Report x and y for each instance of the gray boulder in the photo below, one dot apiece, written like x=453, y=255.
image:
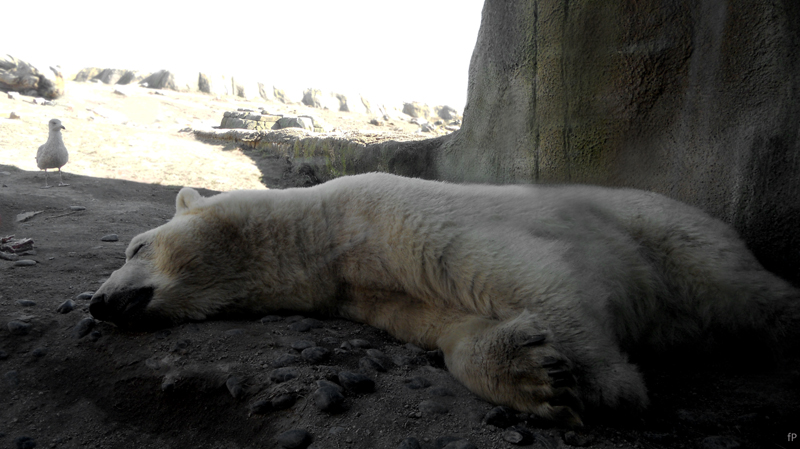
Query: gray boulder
x=445, y=112
x=415, y=109
x=166, y=79
x=20, y=76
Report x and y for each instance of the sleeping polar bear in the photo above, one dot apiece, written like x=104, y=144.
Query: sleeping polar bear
x=534, y=294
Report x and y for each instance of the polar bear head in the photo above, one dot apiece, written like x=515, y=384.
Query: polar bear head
x=190, y=268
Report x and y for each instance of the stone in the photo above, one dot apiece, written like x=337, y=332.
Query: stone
x=16, y=327
x=356, y=382
x=519, y=436
x=14, y=116
x=294, y=122
x=409, y=443
x=415, y=109
x=109, y=238
x=445, y=112
x=294, y=439
x=501, y=416
x=284, y=374
x=20, y=76
x=83, y=328
x=319, y=99
x=177, y=81
x=329, y=398
x=315, y=355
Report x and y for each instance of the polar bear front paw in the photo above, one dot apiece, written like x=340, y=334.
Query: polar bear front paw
x=513, y=363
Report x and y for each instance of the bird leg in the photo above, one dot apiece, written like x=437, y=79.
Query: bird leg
x=45, y=180
x=60, y=179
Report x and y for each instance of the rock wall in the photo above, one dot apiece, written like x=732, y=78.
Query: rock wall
x=696, y=100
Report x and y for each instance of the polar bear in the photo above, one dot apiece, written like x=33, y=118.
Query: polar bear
x=535, y=294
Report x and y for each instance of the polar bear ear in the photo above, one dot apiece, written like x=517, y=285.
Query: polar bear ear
x=186, y=200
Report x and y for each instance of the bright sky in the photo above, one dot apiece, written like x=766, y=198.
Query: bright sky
x=396, y=50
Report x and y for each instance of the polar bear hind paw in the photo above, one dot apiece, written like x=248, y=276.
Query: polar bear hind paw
x=513, y=363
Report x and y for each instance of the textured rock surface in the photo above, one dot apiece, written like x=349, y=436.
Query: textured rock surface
x=20, y=76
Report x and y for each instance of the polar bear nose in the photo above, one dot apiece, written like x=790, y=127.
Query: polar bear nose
x=99, y=307
x=121, y=307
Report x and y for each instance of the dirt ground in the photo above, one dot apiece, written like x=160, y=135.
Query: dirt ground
x=229, y=384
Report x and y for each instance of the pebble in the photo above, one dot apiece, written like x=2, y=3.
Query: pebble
x=12, y=377
x=283, y=401
x=66, y=306
x=234, y=384
x=315, y=355
x=16, y=327
x=285, y=360
x=294, y=439
x=299, y=345
x=85, y=295
x=13, y=115
x=578, y=440
x=417, y=383
x=432, y=407
x=281, y=375
x=520, y=436
x=24, y=443
x=371, y=364
x=359, y=343
x=414, y=348
x=410, y=443
x=501, y=416
x=328, y=397
x=94, y=335
x=356, y=382
x=26, y=303
x=234, y=332
x=260, y=407
x=299, y=327
x=39, y=352
x=24, y=263
x=109, y=238
x=83, y=327
x=270, y=319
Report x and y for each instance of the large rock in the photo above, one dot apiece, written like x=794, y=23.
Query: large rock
x=316, y=98
x=108, y=76
x=353, y=102
x=20, y=76
x=695, y=100
x=418, y=110
x=87, y=74
x=285, y=96
x=445, y=112
x=178, y=81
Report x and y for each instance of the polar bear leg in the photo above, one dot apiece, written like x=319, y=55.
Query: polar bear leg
x=514, y=362
x=519, y=362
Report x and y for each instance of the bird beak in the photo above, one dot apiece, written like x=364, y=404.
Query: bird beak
x=63, y=127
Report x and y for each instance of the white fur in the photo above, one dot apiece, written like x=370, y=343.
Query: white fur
x=516, y=284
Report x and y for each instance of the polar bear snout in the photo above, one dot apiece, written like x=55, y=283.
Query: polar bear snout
x=123, y=308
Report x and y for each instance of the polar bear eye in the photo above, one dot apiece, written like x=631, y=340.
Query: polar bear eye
x=136, y=250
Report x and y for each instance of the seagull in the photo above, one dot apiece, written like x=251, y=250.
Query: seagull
x=53, y=154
